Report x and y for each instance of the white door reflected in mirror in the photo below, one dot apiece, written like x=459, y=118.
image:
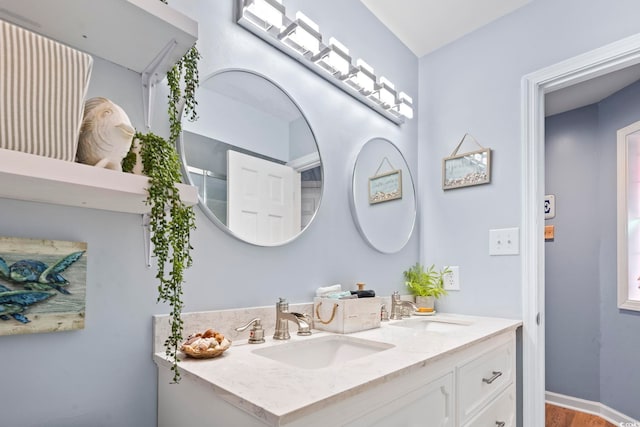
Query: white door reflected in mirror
x=263, y=199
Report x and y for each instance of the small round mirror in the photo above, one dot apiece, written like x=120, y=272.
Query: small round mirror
x=253, y=157
x=383, y=203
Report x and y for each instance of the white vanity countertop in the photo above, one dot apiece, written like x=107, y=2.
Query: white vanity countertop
x=279, y=393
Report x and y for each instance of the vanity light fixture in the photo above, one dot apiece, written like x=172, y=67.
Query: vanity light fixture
x=303, y=35
x=405, y=105
x=364, y=79
x=265, y=14
x=386, y=94
x=301, y=39
x=335, y=59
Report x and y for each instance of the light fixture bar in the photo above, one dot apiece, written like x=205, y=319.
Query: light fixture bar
x=301, y=39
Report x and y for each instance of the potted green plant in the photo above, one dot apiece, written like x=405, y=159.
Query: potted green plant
x=427, y=285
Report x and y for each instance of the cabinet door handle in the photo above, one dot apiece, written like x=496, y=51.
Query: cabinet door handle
x=500, y=423
x=495, y=376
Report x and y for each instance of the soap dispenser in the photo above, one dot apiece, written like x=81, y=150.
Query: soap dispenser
x=256, y=334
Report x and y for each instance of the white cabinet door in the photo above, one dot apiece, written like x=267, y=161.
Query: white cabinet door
x=431, y=405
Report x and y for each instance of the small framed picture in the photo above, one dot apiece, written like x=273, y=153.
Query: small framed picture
x=385, y=187
x=464, y=170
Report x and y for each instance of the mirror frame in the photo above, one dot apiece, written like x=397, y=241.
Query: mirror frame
x=352, y=199
x=202, y=204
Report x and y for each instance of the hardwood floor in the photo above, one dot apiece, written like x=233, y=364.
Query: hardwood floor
x=557, y=416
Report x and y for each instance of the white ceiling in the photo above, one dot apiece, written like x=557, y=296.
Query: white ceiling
x=426, y=25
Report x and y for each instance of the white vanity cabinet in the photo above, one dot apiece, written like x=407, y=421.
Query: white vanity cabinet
x=431, y=404
x=471, y=385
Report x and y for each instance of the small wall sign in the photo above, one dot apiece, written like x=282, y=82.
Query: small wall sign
x=467, y=169
x=385, y=187
x=549, y=206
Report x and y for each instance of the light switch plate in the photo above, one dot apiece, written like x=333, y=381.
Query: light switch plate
x=504, y=241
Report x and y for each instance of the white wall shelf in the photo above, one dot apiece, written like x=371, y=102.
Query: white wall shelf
x=145, y=36
x=41, y=179
x=130, y=33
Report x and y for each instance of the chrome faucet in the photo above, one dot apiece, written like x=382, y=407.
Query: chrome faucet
x=397, y=304
x=283, y=316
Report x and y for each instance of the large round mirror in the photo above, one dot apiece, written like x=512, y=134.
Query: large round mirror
x=253, y=157
x=383, y=202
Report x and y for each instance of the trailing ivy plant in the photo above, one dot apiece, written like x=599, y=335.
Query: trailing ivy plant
x=171, y=233
x=184, y=71
x=171, y=223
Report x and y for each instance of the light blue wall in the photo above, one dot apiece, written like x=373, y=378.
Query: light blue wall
x=573, y=170
x=104, y=374
x=590, y=342
x=473, y=85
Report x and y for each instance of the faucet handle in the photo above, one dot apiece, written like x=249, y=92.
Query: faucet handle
x=256, y=334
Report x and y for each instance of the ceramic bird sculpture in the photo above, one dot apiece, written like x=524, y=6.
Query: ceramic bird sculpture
x=14, y=303
x=36, y=275
x=105, y=135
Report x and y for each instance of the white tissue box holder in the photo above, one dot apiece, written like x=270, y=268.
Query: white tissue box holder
x=43, y=84
x=345, y=316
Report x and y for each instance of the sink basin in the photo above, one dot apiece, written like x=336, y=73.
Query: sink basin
x=322, y=352
x=433, y=324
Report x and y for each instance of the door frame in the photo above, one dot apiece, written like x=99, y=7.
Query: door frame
x=598, y=62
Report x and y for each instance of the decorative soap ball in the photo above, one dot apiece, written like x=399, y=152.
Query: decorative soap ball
x=105, y=135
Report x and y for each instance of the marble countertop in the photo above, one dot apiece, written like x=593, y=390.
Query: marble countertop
x=279, y=393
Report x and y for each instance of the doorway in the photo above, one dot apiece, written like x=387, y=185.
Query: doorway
x=535, y=86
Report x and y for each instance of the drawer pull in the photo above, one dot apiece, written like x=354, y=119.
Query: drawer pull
x=500, y=423
x=495, y=376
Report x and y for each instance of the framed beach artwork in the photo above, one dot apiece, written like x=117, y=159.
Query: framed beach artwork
x=42, y=285
x=385, y=187
x=466, y=169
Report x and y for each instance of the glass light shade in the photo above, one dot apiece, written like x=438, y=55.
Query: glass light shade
x=405, y=105
x=335, y=58
x=387, y=92
x=302, y=35
x=268, y=13
x=364, y=79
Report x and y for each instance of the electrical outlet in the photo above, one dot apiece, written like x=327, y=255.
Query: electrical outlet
x=504, y=241
x=452, y=279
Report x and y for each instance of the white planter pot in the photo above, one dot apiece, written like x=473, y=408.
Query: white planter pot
x=427, y=302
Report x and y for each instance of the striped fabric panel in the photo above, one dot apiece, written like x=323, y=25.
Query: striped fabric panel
x=42, y=89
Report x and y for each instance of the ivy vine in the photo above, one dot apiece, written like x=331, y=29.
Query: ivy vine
x=185, y=70
x=171, y=223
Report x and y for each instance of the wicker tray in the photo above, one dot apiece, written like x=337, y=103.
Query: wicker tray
x=207, y=354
